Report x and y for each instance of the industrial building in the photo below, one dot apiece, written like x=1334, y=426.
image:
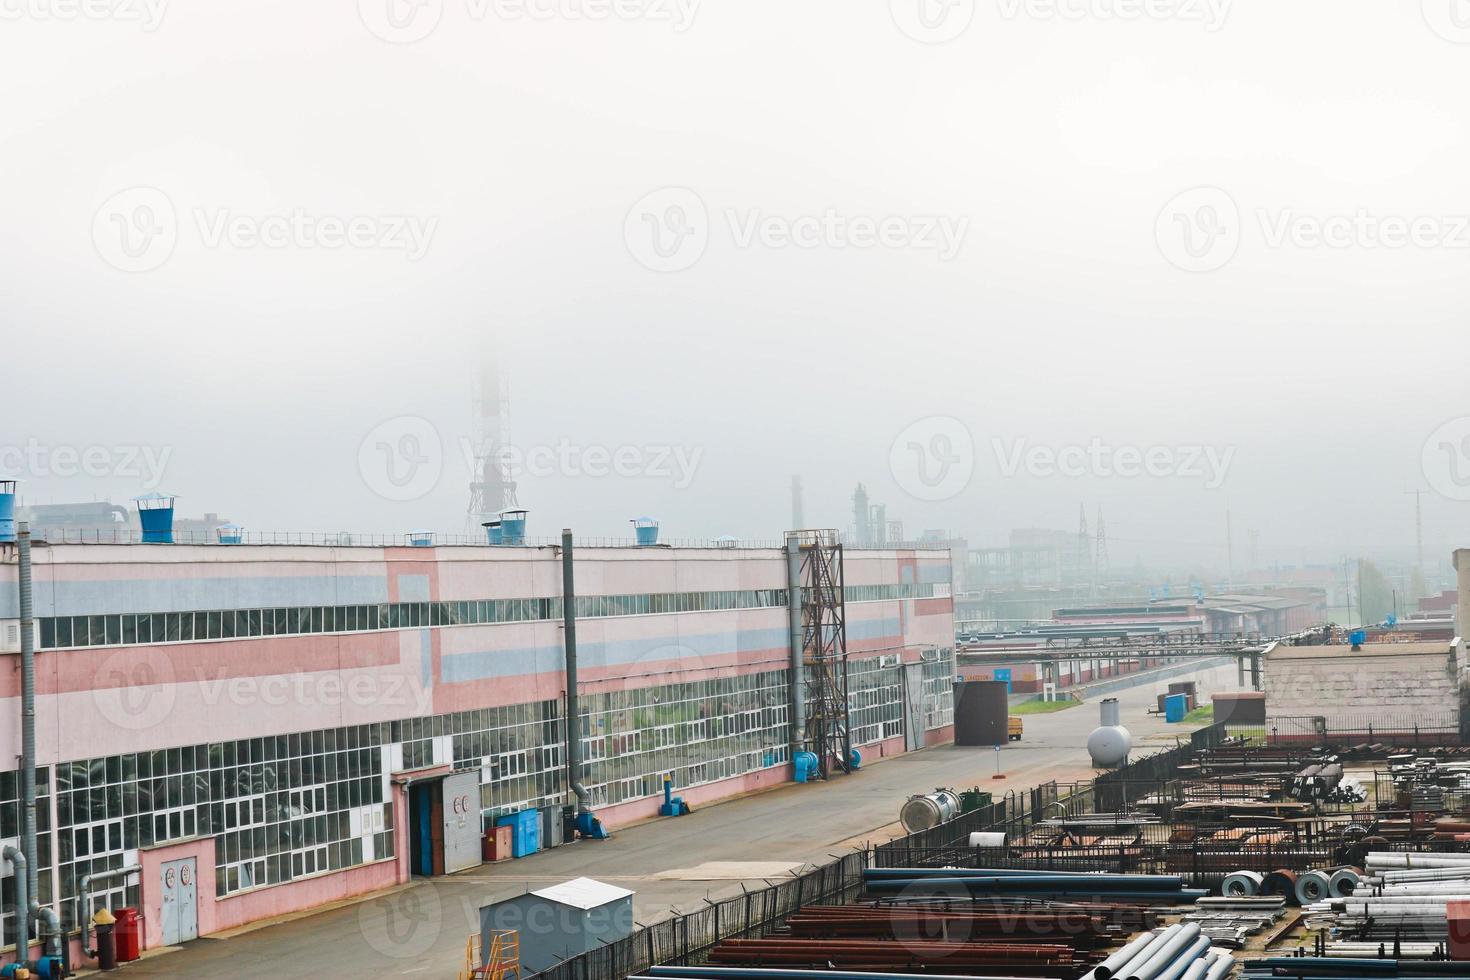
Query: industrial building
x=244, y=730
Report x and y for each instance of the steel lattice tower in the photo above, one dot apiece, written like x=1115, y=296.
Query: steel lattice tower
x=824, y=647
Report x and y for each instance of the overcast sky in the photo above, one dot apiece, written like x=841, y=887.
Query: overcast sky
x=918, y=244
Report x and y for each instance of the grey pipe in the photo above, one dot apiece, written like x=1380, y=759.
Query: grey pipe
x=1182, y=962
x=1221, y=967
x=46, y=914
x=798, y=663
x=22, y=903
x=1197, y=969
x=27, y=728
x=1155, y=940
x=1108, y=967
x=1166, y=954
x=84, y=910
x=569, y=644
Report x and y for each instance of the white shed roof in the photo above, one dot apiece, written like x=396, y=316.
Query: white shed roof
x=582, y=893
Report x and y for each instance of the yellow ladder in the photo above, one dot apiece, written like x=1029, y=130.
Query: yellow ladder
x=503, y=961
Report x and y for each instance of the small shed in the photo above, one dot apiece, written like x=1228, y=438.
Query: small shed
x=562, y=921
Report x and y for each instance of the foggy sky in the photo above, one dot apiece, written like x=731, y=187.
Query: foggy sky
x=524, y=142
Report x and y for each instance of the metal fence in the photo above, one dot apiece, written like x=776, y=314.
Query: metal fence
x=686, y=939
x=1425, y=728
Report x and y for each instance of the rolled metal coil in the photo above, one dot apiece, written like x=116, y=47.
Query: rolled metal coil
x=1241, y=884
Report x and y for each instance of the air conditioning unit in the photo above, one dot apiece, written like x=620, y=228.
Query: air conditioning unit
x=10, y=635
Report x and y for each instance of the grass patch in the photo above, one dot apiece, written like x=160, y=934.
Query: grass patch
x=1040, y=707
x=1203, y=715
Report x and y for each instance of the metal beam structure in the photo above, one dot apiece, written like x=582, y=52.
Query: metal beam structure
x=818, y=591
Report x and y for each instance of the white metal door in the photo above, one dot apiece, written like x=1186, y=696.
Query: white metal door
x=179, y=910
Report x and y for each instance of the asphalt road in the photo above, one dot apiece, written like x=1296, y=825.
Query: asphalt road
x=421, y=928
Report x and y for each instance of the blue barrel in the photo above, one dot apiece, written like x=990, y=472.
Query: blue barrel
x=1176, y=706
x=7, y=510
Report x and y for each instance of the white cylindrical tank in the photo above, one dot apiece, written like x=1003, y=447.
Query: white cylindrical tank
x=1109, y=745
x=929, y=810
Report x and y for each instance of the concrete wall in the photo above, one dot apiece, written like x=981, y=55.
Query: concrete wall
x=1381, y=687
x=1462, y=570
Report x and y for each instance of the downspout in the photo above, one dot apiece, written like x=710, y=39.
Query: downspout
x=84, y=910
x=569, y=644
x=27, y=731
x=798, y=664
x=22, y=903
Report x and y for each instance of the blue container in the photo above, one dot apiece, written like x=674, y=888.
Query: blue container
x=513, y=527
x=7, y=510
x=1176, y=706
x=525, y=834
x=230, y=533
x=646, y=531
x=421, y=539
x=156, y=515
x=806, y=766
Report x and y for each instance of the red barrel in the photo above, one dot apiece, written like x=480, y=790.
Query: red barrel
x=129, y=934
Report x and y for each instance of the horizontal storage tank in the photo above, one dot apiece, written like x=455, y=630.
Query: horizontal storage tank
x=929, y=810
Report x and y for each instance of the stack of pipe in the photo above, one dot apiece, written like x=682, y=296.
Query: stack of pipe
x=1404, y=895
x=875, y=954
x=776, y=973
x=1348, y=968
x=1081, y=928
x=1179, y=952
x=986, y=883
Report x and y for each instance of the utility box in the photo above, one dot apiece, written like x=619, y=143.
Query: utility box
x=497, y=844
x=525, y=831
x=551, y=835
x=562, y=921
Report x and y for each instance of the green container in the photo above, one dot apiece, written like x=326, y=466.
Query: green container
x=973, y=799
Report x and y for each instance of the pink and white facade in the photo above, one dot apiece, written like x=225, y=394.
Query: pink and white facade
x=262, y=714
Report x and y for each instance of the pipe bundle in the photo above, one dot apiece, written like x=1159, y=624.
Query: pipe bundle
x=990, y=883
x=863, y=954
x=759, y=973
x=1179, y=952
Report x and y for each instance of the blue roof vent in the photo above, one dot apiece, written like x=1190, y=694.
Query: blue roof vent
x=513, y=527
x=421, y=539
x=7, y=510
x=646, y=530
x=230, y=533
x=156, y=515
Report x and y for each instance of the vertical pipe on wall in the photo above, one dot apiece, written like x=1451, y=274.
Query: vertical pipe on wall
x=27, y=728
x=798, y=665
x=569, y=645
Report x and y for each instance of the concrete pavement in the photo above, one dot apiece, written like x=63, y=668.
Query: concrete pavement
x=421, y=928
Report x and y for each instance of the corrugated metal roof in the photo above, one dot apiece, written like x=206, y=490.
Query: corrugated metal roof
x=582, y=893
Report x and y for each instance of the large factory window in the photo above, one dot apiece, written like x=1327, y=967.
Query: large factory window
x=224, y=624
x=874, y=699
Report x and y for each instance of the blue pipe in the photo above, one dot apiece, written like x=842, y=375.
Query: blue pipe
x=768, y=973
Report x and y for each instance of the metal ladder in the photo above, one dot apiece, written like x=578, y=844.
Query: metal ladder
x=503, y=962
